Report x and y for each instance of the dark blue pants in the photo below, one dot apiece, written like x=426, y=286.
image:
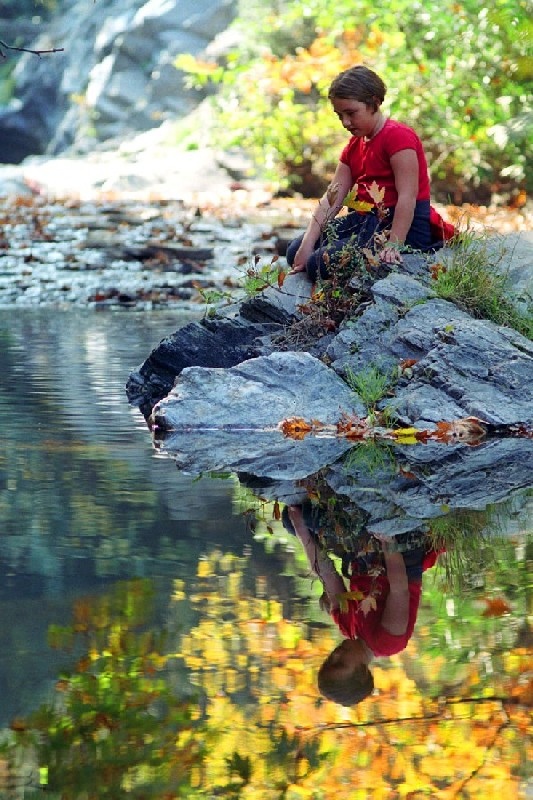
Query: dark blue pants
x=358, y=230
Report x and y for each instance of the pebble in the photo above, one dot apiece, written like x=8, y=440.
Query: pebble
x=130, y=253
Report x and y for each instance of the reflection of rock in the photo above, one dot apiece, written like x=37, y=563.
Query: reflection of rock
x=416, y=484
x=401, y=488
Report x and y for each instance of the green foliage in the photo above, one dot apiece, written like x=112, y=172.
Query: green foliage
x=115, y=727
x=472, y=278
x=371, y=384
x=259, y=277
x=461, y=75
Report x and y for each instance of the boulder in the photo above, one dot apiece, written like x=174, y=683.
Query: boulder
x=230, y=337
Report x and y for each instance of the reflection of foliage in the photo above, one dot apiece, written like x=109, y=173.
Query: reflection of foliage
x=416, y=736
x=468, y=538
x=114, y=727
x=261, y=731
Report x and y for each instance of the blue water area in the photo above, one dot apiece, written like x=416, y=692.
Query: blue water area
x=85, y=499
x=89, y=504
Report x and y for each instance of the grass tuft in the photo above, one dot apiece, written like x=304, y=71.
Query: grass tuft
x=472, y=278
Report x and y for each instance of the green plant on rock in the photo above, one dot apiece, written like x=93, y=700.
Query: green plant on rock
x=259, y=276
x=470, y=275
x=371, y=384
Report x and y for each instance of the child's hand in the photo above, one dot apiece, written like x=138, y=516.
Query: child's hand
x=390, y=255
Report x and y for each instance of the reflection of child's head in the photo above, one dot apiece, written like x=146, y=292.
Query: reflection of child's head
x=344, y=676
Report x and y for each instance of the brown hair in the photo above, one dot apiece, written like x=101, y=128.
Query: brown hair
x=359, y=83
x=347, y=692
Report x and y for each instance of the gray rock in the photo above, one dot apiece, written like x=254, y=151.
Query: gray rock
x=219, y=342
x=257, y=394
x=122, y=68
x=469, y=368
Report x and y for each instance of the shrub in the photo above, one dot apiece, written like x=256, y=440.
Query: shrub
x=459, y=76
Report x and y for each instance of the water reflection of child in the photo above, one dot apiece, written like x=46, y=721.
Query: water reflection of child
x=377, y=618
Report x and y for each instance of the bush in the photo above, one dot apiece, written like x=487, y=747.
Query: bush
x=458, y=75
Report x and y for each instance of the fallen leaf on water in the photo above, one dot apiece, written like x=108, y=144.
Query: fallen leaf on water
x=469, y=429
x=295, y=427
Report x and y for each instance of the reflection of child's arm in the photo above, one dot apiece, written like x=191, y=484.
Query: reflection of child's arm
x=396, y=612
x=319, y=562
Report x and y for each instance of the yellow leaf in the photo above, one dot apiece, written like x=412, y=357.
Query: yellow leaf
x=405, y=435
x=351, y=201
x=376, y=193
x=345, y=596
x=368, y=603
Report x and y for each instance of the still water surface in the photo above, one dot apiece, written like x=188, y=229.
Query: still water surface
x=88, y=505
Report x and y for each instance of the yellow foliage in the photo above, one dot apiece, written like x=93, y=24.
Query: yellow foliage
x=245, y=645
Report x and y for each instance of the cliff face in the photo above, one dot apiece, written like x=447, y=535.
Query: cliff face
x=115, y=76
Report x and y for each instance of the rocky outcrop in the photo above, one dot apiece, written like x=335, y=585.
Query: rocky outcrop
x=115, y=76
x=220, y=417
x=232, y=336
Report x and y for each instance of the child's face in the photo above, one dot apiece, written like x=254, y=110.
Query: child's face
x=355, y=116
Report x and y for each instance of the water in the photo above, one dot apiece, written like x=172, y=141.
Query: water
x=96, y=523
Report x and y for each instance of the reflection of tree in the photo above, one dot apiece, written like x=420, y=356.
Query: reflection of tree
x=114, y=727
x=260, y=730
x=256, y=670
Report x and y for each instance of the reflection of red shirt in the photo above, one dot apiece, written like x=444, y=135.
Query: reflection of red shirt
x=354, y=624
x=370, y=161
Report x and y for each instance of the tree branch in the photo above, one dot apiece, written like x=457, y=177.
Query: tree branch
x=26, y=50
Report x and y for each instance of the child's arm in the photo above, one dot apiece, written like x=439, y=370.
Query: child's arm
x=319, y=562
x=327, y=209
x=396, y=612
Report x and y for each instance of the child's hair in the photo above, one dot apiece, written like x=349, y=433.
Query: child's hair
x=347, y=692
x=359, y=83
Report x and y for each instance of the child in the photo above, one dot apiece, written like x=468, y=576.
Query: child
x=381, y=151
x=377, y=616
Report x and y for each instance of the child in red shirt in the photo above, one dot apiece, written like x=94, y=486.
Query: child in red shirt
x=384, y=167
x=378, y=614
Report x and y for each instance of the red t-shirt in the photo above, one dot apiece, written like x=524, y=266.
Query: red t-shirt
x=355, y=624
x=370, y=161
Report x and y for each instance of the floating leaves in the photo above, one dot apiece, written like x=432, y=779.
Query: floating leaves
x=469, y=430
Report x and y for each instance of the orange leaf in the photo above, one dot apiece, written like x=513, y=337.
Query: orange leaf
x=281, y=278
x=295, y=427
x=406, y=474
x=405, y=363
x=496, y=607
x=469, y=430
x=277, y=512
